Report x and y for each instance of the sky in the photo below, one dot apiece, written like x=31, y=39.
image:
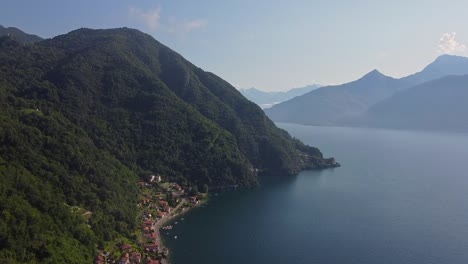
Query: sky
x=271, y=44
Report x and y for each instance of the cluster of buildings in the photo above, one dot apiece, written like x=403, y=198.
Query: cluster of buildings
x=129, y=256
x=155, y=204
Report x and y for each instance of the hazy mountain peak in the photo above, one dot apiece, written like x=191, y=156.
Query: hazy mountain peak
x=442, y=66
x=448, y=57
x=448, y=60
x=249, y=89
x=266, y=99
x=374, y=74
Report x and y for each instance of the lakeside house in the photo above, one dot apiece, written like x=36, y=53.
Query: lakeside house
x=135, y=257
x=151, y=178
x=163, y=203
x=126, y=247
x=154, y=178
x=162, y=214
x=194, y=199
x=125, y=259
x=152, y=247
x=99, y=259
x=177, y=187
x=146, y=201
x=151, y=236
x=151, y=261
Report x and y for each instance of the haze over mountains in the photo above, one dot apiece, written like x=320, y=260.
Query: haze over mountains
x=267, y=99
x=353, y=103
x=441, y=104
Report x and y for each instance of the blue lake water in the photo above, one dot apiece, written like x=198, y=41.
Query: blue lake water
x=399, y=197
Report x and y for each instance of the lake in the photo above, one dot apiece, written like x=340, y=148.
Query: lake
x=399, y=197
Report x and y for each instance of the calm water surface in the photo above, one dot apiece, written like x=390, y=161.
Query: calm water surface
x=400, y=197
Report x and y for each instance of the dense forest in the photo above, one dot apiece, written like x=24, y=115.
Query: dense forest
x=84, y=115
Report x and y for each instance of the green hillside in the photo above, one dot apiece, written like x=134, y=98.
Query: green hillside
x=84, y=115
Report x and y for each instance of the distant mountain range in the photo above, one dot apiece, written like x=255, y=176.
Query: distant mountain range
x=267, y=99
x=441, y=104
x=362, y=102
x=19, y=35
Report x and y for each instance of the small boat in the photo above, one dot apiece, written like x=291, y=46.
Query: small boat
x=182, y=219
x=175, y=237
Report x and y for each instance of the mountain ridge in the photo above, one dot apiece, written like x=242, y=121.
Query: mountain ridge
x=352, y=99
x=435, y=105
x=328, y=104
x=267, y=99
x=19, y=35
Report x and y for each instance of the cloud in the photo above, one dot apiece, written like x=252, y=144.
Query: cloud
x=151, y=18
x=154, y=21
x=448, y=44
x=192, y=25
x=180, y=29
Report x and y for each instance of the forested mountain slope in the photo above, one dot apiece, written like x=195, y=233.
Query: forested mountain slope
x=84, y=114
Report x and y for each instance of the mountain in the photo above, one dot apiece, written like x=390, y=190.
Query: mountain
x=268, y=99
x=337, y=105
x=327, y=105
x=436, y=105
x=84, y=115
x=444, y=65
x=19, y=35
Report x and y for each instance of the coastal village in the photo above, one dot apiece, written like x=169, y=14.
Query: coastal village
x=160, y=202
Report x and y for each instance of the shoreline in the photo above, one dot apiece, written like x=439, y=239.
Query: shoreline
x=159, y=224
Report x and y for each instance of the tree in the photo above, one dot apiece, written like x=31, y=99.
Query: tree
x=194, y=190
x=205, y=188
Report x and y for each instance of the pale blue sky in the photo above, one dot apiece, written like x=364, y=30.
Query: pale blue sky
x=272, y=45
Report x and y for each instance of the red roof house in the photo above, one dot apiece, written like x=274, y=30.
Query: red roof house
x=125, y=247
